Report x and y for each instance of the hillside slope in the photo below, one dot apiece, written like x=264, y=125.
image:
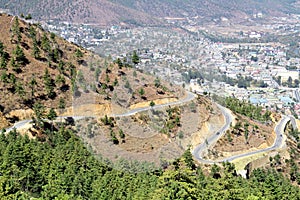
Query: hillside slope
x=163, y=8
x=99, y=12
x=38, y=66
x=104, y=12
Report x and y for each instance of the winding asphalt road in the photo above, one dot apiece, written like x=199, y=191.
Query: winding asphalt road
x=198, y=151
x=279, y=130
x=21, y=124
x=293, y=121
x=17, y=125
x=189, y=97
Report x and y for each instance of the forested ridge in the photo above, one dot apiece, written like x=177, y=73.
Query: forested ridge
x=63, y=168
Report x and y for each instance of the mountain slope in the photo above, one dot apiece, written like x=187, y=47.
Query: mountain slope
x=35, y=66
x=38, y=66
x=104, y=12
x=209, y=8
x=100, y=12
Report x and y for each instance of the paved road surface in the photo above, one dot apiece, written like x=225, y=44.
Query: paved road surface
x=201, y=147
x=21, y=124
x=18, y=125
x=279, y=130
x=190, y=96
x=293, y=121
x=214, y=138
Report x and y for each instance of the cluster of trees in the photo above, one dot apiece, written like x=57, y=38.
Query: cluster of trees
x=294, y=133
x=4, y=57
x=47, y=46
x=109, y=121
x=241, y=82
x=193, y=74
x=44, y=48
x=109, y=85
x=247, y=109
x=18, y=58
x=27, y=17
x=293, y=168
x=10, y=66
x=173, y=120
x=290, y=83
x=40, y=117
x=127, y=62
x=244, y=127
x=62, y=168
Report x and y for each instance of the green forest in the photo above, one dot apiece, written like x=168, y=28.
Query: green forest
x=61, y=167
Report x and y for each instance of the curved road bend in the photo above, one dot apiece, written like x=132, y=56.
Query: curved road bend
x=293, y=121
x=214, y=138
x=190, y=96
x=279, y=130
x=20, y=124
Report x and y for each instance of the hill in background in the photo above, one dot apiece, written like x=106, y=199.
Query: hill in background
x=98, y=12
x=104, y=12
x=209, y=8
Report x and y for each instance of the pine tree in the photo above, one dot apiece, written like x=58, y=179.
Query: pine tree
x=48, y=82
x=45, y=43
x=4, y=77
x=121, y=134
x=39, y=114
x=15, y=66
x=51, y=114
x=19, y=89
x=119, y=63
x=61, y=68
x=16, y=30
x=188, y=159
x=1, y=48
x=12, y=79
x=157, y=82
x=3, y=63
x=215, y=171
x=152, y=104
x=32, y=32
x=61, y=105
x=19, y=55
x=35, y=50
x=135, y=58
x=32, y=85
x=60, y=80
x=141, y=91
x=78, y=53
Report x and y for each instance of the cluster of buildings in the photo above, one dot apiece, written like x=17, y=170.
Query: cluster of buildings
x=86, y=35
x=171, y=54
x=266, y=64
